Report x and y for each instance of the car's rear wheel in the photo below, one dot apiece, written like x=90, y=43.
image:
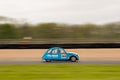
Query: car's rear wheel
x=73, y=59
x=48, y=60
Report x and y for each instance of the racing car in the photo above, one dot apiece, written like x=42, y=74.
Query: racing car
x=59, y=54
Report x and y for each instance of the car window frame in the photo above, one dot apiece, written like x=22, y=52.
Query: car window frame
x=62, y=50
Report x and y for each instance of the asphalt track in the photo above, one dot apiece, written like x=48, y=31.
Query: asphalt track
x=59, y=62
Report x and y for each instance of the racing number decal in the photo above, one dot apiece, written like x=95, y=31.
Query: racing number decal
x=63, y=55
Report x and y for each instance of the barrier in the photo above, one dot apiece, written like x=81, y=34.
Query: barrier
x=45, y=46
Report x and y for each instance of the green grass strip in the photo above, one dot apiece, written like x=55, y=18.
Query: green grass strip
x=60, y=72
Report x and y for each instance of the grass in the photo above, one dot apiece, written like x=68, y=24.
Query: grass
x=60, y=72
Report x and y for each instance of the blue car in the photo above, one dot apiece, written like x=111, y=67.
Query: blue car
x=59, y=54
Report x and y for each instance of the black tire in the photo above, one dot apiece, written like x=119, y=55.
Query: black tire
x=73, y=59
x=48, y=60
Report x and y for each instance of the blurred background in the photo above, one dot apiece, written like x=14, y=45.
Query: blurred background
x=59, y=21
x=13, y=32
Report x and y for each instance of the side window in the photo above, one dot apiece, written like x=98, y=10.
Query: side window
x=54, y=51
x=62, y=51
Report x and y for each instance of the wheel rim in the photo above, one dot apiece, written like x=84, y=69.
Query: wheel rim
x=73, y=59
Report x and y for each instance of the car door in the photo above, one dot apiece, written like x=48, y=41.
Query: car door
x=55, y=55
x=63, y=54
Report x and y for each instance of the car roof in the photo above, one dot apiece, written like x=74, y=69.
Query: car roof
x=55, y=48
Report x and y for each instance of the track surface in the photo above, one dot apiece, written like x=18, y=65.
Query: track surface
x=32, y=56
x=61, y=62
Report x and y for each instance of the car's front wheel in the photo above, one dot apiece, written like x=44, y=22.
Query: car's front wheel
x=73, y=59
